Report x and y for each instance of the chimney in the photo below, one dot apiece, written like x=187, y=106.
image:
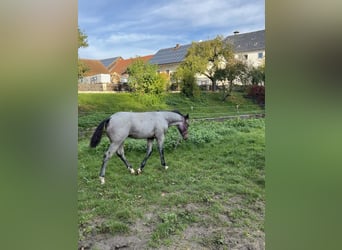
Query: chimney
x=236, y=32
x=177, y=46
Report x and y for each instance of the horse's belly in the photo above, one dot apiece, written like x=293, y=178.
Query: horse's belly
x=139, y=134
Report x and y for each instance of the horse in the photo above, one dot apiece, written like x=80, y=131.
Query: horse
x=137, y=125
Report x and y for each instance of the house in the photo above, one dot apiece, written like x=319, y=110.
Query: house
x=249, y=47
x=168, y=59
x=109, y=63
x=97, y=72
x=119, y=70
x=106, y=74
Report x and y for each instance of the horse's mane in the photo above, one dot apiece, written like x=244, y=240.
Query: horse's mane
x=174, y=111
x=177, y=112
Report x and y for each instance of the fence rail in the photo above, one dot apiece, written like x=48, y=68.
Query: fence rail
x=222, y=118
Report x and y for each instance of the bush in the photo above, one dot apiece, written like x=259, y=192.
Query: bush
x=189, y=86
x=257, y=93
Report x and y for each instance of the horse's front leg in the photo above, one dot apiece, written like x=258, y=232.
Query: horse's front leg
x=121, y=153
x=148, y=154
x=160, y=141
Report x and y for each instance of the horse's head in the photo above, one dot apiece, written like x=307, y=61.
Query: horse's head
x=183, y=127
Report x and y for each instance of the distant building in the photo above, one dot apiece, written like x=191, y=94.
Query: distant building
x=119, y=70
x=249, y=47
x=169, y=59
x=99, y=78
x=97, y=72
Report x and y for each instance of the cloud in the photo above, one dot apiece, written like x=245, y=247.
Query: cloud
x=89, y=20
x=214, y=13
x=136, y=27
x=125, y=45
x=137, y=37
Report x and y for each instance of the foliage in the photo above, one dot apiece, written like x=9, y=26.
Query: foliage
x=82, y=43
x=233, y=70
x=205, y=58
x=82, y=68
x=188, y=83
x=82, y=39
x=257, y=93
x=257, y=75
x=147, y=85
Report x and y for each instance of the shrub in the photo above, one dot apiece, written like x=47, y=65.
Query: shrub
x=189, y=86
x=257, y=93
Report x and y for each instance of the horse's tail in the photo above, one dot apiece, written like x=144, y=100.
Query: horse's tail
x=96, y=137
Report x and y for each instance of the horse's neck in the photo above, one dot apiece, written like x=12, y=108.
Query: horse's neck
x=173, y=118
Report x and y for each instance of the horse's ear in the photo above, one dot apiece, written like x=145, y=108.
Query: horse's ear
x=186, y=116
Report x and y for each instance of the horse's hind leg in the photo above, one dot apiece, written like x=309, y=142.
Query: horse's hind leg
x=121, y=153
x=148, y=154
x=111, y=149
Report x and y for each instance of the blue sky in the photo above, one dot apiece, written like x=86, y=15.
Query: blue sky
x=133, y=28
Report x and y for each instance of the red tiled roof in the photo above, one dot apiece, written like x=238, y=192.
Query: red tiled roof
x=95, y=67
x=121, y=65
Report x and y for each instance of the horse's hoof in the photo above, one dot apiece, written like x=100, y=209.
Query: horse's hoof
x=102, y=180
x=132, y=171
x=139, y=171
x=166, y=167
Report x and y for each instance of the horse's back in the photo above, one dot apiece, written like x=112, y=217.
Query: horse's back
x=138, y=116
x=136, y=124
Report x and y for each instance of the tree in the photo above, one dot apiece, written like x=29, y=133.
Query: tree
x=234, y=70
x=82, y=39
x=185, y=78
x=257, y=75
x=206, y=58
x=82, y=43
x=145, y=82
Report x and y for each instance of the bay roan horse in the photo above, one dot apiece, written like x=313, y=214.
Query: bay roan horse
x=138, y=125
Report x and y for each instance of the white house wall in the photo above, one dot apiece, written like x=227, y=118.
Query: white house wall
x=100, y=78
x=254, y=58
x=168, y=68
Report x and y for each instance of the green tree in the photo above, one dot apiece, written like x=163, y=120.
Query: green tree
x=257, y=75
x=233, y=70
x=82, y=43
x=82, y=39
x=206, y=58
x=185, y=78
x=145, y=82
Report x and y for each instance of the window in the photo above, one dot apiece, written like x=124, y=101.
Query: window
x=246, y=57
x=260, y=55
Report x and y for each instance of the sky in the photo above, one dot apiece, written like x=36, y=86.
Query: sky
x=131, y=28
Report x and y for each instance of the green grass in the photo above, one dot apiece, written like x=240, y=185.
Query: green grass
x=219, y=172
x=95, y=107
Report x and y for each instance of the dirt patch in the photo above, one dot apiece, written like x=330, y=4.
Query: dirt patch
x=199, y=237
x=193, y=237
x=224, y=231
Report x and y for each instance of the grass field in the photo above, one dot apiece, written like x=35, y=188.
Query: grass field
x=211, y=197
x=95, y=107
